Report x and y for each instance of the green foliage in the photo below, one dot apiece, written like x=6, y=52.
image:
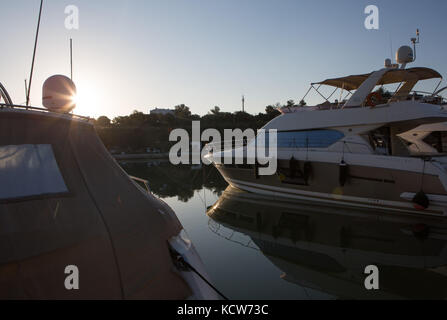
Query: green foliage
x=385, y=93
x=215, y=110
x=138, y=130
x=103, y=121
x=182, y=111
x=272, y=111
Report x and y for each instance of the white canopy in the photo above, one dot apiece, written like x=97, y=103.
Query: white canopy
x=392, y=76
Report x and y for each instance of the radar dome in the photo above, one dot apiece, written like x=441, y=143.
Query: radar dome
x=58, y=94
x=404, y=55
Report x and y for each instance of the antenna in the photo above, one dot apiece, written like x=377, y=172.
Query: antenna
x=415, y=41
x=391, y=47
x=26, y=89
x=243, y=103
x=407, y=55
x=34, y=55
x=71, y=59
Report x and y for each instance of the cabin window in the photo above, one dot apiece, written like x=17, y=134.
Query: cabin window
x=307, y=139
x=380, y=140
x=29, y=170
x=437, y=140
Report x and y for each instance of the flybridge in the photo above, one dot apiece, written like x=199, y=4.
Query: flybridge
x=357, y=90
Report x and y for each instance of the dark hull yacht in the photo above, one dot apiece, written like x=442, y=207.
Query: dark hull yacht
x=65, y=204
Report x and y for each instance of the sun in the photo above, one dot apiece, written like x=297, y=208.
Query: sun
x=86, y=99
x=74, y=98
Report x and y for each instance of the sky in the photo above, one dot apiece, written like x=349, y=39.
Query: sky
x=141, y=54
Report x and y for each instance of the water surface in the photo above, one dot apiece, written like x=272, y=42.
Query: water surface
x=258, y=247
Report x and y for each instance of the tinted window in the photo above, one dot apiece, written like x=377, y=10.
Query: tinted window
x=304, y=139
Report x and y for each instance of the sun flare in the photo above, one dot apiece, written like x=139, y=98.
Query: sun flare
x=86, y=99
x=74, y=98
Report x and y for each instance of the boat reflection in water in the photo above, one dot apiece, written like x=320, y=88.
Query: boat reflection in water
x=328, y=248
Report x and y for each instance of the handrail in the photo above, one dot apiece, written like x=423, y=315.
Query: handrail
x=295, y=146
x=437, y=93
x=16, y=106
x=429, y=94
x=424, y=95
x=4, y=93
x=216, y=230
x=143, y=181
x=229, y=144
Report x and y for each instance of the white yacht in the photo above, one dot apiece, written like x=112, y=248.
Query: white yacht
x=370, y=148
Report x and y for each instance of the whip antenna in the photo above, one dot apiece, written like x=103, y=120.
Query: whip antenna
x=71, y=59
x=34, y=55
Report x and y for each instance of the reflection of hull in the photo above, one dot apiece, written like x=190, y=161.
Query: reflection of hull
x=341, y=287
x=367, y=186
x=328, y=248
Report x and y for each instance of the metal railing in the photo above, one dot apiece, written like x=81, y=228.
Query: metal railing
x=9, y=104
x=218, y=229
x=227, y=144
x=429, y=97
x=43, y=110
x=299, y=144
x=5, y=95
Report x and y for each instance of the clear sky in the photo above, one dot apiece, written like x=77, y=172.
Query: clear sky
x=141, y=54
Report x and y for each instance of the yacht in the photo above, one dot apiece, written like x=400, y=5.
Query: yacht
x=69, y=212
x=369, y=148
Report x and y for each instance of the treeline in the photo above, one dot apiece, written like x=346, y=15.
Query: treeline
x=182, y=181
x=137, y=131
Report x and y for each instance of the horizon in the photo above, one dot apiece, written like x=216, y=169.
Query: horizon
x=143, y=55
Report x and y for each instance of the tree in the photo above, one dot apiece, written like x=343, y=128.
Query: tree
x=215, y=110
x=385, y=93
x=290, y=103
x=182, y=111
x=103, y=121
x=137, y=119
x=243, y=118
x=271, y=111
x=302, y=103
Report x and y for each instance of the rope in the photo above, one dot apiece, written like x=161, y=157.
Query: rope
x=186, y=264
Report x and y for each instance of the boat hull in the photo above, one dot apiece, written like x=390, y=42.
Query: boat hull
x=365, y=186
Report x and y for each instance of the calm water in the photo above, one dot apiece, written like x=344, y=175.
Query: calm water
x=257, y=247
